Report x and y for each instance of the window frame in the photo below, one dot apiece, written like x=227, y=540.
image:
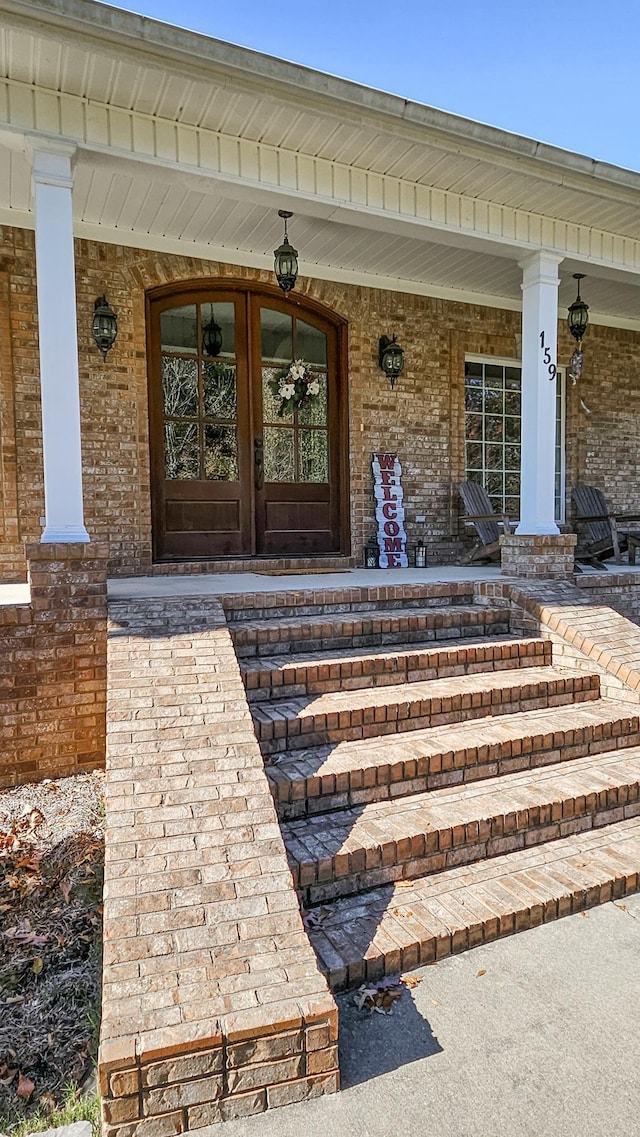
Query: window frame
x=503, y=361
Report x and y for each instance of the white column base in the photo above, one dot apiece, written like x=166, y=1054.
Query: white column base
x=65, y=535
x=524, y=530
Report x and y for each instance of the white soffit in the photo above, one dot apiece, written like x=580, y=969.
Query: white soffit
x=124, y=203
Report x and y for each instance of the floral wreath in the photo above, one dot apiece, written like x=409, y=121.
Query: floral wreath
x=296, y=386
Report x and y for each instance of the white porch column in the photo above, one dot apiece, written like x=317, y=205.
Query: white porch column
x=58, y=340
x=539, y=347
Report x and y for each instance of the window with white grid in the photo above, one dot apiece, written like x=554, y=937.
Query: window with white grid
x=492, y=391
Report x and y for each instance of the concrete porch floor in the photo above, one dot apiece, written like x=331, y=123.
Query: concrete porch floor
x=216, y=584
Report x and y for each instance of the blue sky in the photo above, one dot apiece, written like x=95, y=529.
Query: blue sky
x=562, y=72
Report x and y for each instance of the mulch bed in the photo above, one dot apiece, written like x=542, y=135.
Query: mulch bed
x=51, y=873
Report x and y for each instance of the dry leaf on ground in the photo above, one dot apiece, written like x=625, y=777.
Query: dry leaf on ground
x=379, y=996
x=25, y=1087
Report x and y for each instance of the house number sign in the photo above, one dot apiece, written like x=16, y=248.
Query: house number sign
x=387, y=488
x=551, y=367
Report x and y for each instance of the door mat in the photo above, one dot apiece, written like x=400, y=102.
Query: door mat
x=300, y=572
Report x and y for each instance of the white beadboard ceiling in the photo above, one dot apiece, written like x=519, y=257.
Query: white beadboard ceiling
x=131, y=200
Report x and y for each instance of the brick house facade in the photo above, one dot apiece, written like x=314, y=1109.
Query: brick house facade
x=408, y=222
x=422, y=418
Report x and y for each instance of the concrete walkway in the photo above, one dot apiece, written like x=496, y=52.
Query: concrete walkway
x=545, y=1043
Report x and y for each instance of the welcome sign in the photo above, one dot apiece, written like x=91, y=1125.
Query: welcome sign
x=387, y=488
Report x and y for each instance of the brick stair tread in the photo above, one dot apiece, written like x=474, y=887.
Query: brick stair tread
x=376, y=619
x=328, y=658
x=398, y=927
x=300, y=673
x=449, y=817
x=496, y=740
x=466, y=686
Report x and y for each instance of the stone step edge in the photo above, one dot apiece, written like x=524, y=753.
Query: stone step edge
x=269, y=678
x=417, y=926
x=474, y=613
x=285, y=728
x=406, y=850
x=242, y=606
x=298, y=795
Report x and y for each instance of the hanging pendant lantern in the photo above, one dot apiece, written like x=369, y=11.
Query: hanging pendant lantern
x=578, y=317
x=211, y=337
x=105, y=325
x=286, y=258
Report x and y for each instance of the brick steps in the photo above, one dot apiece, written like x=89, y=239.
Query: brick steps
x=396, y=928
x=298, y=723
x=371, y=627
x=353, y=850
x=241, y=606
x=320, y=673
x=356, y=773
x=439, y=782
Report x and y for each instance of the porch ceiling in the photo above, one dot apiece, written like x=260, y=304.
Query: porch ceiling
x=134, y=204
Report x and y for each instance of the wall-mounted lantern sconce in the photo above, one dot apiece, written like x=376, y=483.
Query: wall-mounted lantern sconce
x=577, y=320
x=105, y=325
x=390, y=358
x=211, y=337
x=285, y=264
x=371, y=554
x=420, y=554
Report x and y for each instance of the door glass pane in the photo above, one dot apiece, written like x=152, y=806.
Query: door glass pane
x=279, y=458
x=315, y=412
x=276, y=331
x=181, y=450
x=220, y=453
x=270, y=401
x=311, y=344
x=223, y=313
x=313, y=457
x=180, y=387
x=179, y=330
x=219, y=390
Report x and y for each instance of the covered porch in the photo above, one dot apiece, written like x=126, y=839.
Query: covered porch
x=459, y=239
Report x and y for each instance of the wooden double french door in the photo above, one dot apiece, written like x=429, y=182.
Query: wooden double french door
x=230, y=475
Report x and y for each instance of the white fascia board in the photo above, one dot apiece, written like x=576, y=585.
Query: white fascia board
x=246, y=259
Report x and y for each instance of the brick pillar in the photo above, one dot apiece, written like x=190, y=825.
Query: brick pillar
x=66, y=727
x=543, y=555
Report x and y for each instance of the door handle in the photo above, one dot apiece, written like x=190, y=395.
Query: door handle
x=258, y=460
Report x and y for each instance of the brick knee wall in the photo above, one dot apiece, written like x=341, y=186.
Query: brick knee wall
x=585, y=636
x=213, y=1004
x=53, y=666
x=618, y=590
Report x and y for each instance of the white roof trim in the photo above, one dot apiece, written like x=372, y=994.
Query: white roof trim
x=177, y=46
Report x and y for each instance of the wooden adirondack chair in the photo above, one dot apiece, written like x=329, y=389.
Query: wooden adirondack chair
x=480, y=513
x=603, y=534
